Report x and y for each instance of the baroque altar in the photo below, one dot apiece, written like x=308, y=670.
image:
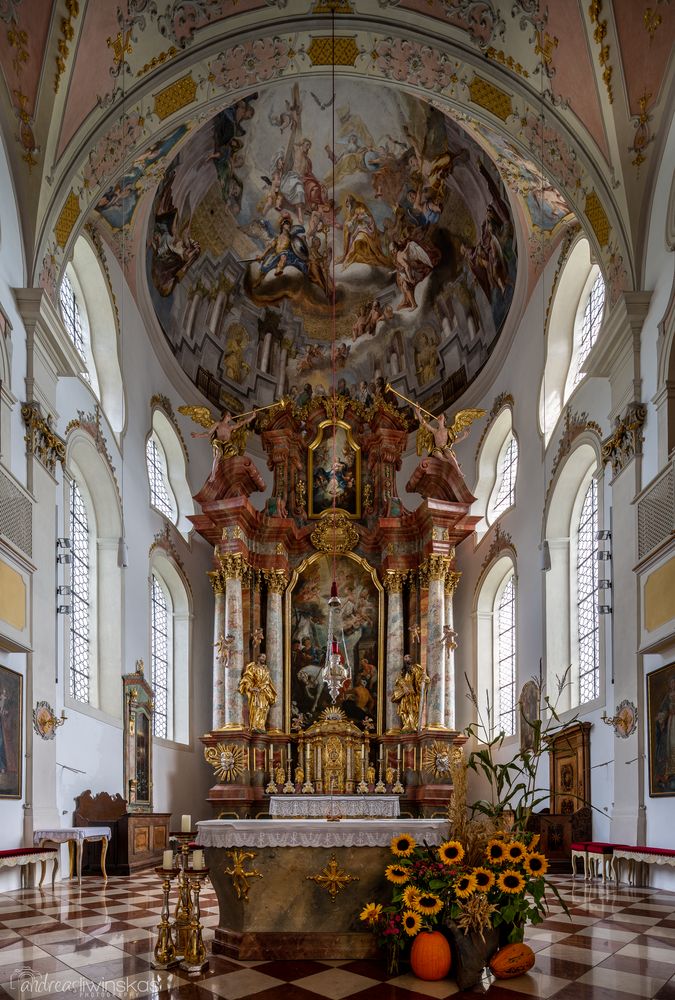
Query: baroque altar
x=334, y=517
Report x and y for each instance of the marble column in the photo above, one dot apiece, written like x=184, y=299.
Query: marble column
x=436, y=567
x=216, y=309
x=281, y=381
x=267, y=347
x=393, y=584
x=451, y=581
x=192, y=313
x=233, y=568
x=277, y=582
x=219, y=668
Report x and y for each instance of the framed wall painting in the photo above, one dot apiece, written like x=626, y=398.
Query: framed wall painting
x=661, y=730
x=11, y=733
x=334, y=471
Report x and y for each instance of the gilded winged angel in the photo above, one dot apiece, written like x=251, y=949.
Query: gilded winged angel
x=439, y=440
x=228, y=437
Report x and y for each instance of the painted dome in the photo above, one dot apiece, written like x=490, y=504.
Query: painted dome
x=290, y=213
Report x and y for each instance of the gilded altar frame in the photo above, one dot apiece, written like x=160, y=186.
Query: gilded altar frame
x=331, y=488
x=344, y=563
x=138, y=702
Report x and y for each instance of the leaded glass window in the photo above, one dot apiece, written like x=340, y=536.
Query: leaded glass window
x=161, y=646
x=590, y=324
x=72, y=317
x=505, y=643
x=160, y=498
x=79, y=596
x=506, y=478
x=588, y=633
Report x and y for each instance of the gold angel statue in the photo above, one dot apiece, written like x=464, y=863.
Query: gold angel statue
x=228, y=437
x=438, y=440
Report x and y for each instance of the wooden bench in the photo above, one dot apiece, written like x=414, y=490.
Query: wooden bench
x=29, y=856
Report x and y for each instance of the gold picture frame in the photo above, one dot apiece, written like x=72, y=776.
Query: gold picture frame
x=660, y=725
x=306, y=610
x=334, y=471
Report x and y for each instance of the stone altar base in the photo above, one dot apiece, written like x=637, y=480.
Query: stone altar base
x=272, y=879
x=288, y=916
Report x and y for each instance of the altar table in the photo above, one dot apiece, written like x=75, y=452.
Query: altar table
x=75, y=836
x=294, y=888
x=322, y=806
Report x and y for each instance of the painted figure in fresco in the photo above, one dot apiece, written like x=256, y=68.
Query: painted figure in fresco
x=414, y=262
x=361, y=237
x=409, y=691
x=256, y=685
x=426, y=359
x=288, y=249
x=173, y=249
x=225, y=439
x=318, y=266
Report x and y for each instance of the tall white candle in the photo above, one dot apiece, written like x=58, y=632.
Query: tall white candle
x=271, y=756
x=197, y=860
x=167, y=859
x=185, y=823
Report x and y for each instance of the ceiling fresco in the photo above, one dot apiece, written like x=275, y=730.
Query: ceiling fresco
x=263, y=207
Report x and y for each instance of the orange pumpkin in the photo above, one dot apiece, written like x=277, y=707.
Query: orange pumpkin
x=430, y=956
x=512, y=960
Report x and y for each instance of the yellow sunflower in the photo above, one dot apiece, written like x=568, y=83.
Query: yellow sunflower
x=371, y=912
x=429, y=904
x=411, y=922
x=397, y=874
x=536, y=864
x=451, y=852
x=484, y=879
x=515, y=851
x=532, y=846
x=511, y=881
x=495, y=851
x=402, y=845
x=465, y=886
x=411, y=897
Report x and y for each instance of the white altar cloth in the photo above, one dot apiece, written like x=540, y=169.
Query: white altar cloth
x=320, y=806
x=317, y=832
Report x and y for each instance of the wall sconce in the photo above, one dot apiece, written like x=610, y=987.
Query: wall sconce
x=625, y=721
x=45, y=722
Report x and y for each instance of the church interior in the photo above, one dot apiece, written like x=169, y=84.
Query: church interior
x=337, y=496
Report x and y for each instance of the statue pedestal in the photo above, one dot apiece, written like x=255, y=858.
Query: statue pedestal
x=234, y=477
x=440, y=479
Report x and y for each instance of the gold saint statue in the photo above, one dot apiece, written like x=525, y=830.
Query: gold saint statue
x=408, y=693
x=256, y=684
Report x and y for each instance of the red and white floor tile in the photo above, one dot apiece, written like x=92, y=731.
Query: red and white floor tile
x=96, y=940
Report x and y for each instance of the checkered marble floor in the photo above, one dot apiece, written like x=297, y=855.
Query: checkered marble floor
x=96, y=941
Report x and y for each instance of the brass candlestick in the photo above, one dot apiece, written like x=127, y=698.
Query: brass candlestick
x=165, y=953
x=195, y=960
x=183, y=912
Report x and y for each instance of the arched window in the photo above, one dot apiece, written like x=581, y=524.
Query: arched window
x=573, y=325
x=497, y=467
x=170, y=644
x=94, y=514
x=587, y=330
x=167, y=472
x=80, y=569
x=505, y=659
x=588, y=633
x=161, y=495
x=496, y=645
x=72, y=317
x=573, y=636
x=504, y=493
x=162, y=646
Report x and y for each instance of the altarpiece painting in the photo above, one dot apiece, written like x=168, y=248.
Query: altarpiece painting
x=661, y=726
x=11, y=733
x=334, y=470
x=362, y=616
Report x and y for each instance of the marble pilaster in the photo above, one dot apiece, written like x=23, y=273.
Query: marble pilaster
x=393, y=584
x=233, y=568
x=451, y=581
x=436, y=567
x=276, y=584
x=218, y=662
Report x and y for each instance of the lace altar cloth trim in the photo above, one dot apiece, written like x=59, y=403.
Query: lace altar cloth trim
x=310, y=806
x=317, y=832
x=64, y=834
x=27, y=859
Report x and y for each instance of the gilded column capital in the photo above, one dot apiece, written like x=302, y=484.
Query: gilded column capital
x=452, y=578
x=434, y=567
x=233, y=565
x=276, y=580
x=626, y=440
x=217, y=581
x=393, y=581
